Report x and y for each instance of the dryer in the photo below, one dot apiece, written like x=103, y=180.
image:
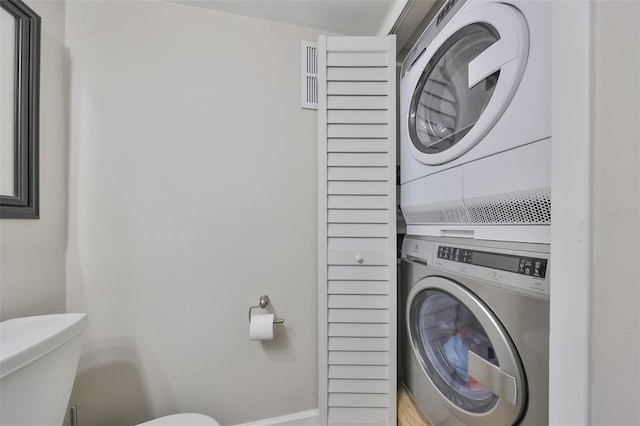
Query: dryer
x=474, y=327
x=475, y=123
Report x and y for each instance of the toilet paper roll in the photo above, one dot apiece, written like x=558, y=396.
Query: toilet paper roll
x=261, y=327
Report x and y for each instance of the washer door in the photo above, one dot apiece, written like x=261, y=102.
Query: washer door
x=465, y=352
x=471, y=71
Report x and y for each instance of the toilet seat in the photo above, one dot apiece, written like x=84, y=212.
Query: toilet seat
x=183, y=419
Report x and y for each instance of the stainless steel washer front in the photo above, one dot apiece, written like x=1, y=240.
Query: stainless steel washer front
x=475, y=350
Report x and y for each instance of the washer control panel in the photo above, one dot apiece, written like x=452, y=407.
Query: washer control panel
x=532, y=266
x=518, y=270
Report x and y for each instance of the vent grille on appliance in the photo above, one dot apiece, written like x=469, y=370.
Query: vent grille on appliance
x=309, y=75
x=520, y=208
x=443, y=213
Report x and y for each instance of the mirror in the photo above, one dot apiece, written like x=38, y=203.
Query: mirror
x=19, y=109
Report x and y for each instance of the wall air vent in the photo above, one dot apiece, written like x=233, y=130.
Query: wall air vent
x=309, y=75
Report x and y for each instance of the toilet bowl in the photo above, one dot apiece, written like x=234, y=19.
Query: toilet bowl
x=49, y=346
x=183, y=419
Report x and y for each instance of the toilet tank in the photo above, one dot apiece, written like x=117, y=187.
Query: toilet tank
x=38, y=361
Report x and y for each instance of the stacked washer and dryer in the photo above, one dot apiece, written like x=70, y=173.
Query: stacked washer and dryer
x=475, y=131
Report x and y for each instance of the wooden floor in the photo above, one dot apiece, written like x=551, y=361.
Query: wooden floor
x=408, y=413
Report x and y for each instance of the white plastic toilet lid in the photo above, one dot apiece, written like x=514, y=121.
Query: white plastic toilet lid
x=183, y=419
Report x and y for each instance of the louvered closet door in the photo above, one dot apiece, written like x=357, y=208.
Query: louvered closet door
x=357, y=229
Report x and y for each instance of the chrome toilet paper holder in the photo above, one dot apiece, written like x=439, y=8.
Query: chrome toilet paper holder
x=263, y=302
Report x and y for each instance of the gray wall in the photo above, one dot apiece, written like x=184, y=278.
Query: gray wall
x=192, y=193
x=615, y=306
x=32, y=252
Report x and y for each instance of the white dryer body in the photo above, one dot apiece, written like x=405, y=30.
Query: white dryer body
x=475, y=123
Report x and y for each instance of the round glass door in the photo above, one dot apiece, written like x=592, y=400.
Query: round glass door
x=444, y=108
x=443, y=330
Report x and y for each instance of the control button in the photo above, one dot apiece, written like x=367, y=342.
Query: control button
x=538, y=284
x=495, y=275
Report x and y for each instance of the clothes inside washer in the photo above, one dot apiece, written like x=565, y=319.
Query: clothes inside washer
x=455, y=352
x=448, y=331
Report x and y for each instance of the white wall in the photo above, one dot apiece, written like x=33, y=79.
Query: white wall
x=32, y=252
x=615, y=319
x=595, y=304
x=569, y=340
x=192, y=193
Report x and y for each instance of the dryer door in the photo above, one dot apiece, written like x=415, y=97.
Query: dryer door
x=465, y=352
x=471, y=71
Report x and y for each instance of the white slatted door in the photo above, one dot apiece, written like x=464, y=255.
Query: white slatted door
x=357, y=229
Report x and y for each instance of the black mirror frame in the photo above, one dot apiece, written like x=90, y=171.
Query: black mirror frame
x=25, y=203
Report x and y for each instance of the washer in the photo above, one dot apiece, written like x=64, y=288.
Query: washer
x=475, y=120
x=474, y=325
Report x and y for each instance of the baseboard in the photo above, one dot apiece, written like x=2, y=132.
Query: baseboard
x=284, y=419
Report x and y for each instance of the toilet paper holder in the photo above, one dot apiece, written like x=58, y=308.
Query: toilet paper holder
x=263, y=302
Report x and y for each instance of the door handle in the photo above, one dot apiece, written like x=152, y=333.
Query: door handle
x=491, y=60
x=492, y=377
